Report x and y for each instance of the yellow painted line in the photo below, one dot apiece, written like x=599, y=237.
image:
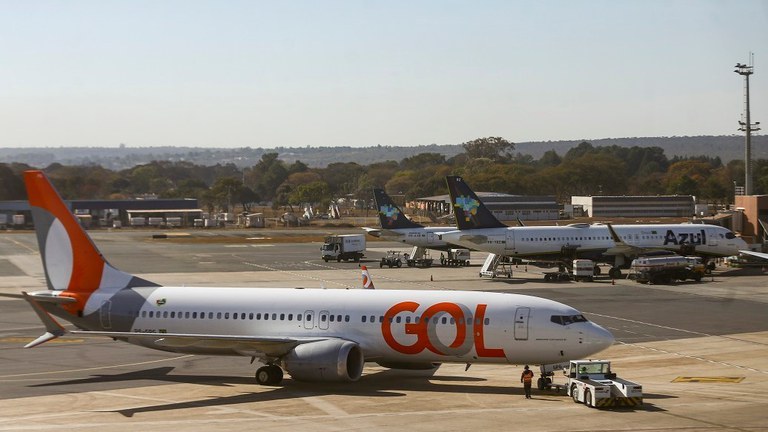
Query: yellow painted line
x=28, y=340
x=715, y=379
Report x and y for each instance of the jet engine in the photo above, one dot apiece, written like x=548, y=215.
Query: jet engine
x=327, y=360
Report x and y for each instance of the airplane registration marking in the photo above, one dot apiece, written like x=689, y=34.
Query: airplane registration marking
x=425, y=330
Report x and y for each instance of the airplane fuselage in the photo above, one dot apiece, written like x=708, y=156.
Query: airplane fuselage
x=388, y=325
x=596, y=242
x=427, y=237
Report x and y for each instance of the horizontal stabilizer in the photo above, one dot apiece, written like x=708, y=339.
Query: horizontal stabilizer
x=474, y=238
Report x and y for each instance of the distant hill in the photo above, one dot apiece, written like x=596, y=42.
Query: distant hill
x=726, y=147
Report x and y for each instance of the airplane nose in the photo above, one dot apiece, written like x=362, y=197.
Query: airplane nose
x=597, y=338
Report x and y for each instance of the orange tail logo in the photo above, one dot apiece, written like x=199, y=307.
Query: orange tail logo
x=71, y=261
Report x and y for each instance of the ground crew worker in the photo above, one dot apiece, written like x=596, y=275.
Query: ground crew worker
x=527, y=379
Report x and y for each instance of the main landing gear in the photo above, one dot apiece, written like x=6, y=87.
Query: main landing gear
x=269, y=375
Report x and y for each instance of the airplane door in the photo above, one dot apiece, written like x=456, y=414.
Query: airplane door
x=509, y=244
x=521, y=323
x=322, y=320
x=712, y=241
x=105, y=314
x=430, y=238
x=309, y=319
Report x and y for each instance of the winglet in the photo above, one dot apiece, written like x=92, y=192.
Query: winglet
x=367, y=282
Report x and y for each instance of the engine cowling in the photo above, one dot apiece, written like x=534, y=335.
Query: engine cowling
x=327, y=360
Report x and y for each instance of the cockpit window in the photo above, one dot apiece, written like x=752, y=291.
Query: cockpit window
x=567, y=319
x=729, y=235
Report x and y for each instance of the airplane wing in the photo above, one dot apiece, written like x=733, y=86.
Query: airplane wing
x=254, y=346
x=756, y=254
x=622, y=248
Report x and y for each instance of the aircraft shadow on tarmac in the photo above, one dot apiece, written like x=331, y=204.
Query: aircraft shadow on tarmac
x=386, y=383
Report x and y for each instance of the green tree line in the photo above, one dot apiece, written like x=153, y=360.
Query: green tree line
x=488, y=164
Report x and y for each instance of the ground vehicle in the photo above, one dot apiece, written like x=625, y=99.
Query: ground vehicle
x=343, y=247
x=419, y=257
x=666, y=269
x=455, y=258
x=392, y=259
x=591, y=382
x=583, y=270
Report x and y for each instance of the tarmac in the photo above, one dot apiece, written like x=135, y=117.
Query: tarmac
x=700, y=350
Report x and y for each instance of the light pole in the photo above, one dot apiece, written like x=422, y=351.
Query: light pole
x=747, y=126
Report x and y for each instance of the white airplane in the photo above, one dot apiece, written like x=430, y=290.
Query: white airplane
x=313, y=334
x=478, y=228
x=396, y=226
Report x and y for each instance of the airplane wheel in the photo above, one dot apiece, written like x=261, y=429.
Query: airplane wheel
x=269, y=375
x=588, y=399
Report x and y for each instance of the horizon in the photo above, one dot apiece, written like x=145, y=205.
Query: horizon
x=201, y=74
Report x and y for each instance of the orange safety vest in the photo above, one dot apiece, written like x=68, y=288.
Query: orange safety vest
x=527, y=376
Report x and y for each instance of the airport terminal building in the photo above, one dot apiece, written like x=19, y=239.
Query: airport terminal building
x=636, y=206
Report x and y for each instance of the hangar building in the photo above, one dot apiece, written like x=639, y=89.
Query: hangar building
x=636, y=206
x=504, y=206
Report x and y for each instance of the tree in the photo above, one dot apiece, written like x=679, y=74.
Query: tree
x=311, y=193
x=496, y=149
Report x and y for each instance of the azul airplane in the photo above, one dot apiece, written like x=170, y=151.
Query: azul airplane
x=479, y=229
x=397, y=227
x=313, y=334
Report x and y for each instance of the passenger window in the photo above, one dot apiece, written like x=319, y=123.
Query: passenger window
x=407, y=320
x=274, y=317
x=398, y=319
x=151, y=314
x=250, y=316
x=487, y=321
x=338, y=318
x=332, y=318
x=346, y=318
x=186, y=315
x=445, y=320
x=258, y=316
x=194, y=315
x=290, y=317
x=173, y=314
x=165, y=314
x=323, y=318
x=282, y=317
x=364, y=318
x=143, y=314
x=210, y=315
x=218, y=315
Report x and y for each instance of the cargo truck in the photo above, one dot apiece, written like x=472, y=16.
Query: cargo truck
x=343, y=247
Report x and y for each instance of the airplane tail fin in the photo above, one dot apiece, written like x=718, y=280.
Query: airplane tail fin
x=367, y=282
x=390, y=215
x=470, y=212
x=74, y=267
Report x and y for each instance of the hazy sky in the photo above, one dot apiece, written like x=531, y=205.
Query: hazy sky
x=360, y=73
